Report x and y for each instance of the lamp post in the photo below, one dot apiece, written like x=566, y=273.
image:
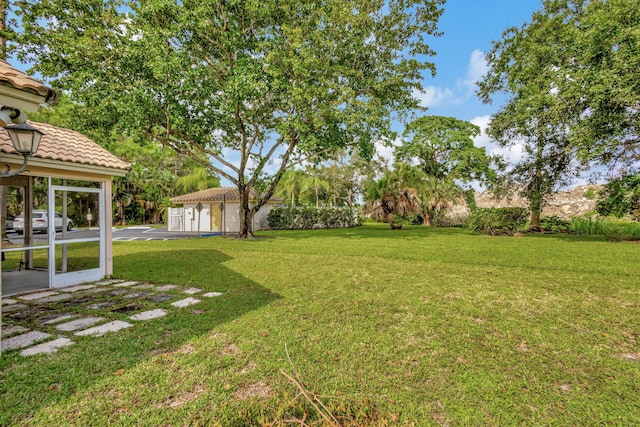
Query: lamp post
x=25, y=139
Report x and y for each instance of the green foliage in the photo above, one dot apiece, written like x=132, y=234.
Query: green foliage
x=312, y=218
x=554, y=224
x=498, y=220
x=621, y=197
x=273, y=82
x=590, y=225
x=443, y=148
x=590, y=193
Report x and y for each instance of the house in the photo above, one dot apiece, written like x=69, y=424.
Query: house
x=215, y=210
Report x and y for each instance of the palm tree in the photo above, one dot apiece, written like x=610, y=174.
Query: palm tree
x=436, y=195
x=388, y=197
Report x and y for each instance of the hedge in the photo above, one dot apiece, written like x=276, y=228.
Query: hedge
x=312, y=218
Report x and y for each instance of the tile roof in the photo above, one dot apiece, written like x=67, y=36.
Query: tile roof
x=214, y=195
x=13, y=77
x=67, y=146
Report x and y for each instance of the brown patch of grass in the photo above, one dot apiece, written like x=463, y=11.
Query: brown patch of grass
x=186, y=397
x=258, y=390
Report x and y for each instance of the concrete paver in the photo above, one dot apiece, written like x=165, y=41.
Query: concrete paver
x=148, y=315
x=212, y=294
x=59, y=319
x=100, y=330
x=47, y=347
x=37, y=295
x=8, y=301
x=125, y=284
x=185, y=302
x=192, y=291
x=12, y=330
x=55, y=298
x=24, y=340
x=78, y=288
x=165, y=288
x=13, y=307
x=76, y=325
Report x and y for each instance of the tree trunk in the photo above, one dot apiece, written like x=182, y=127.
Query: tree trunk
x=426, y=219
x=246, y=214
x=535, y=192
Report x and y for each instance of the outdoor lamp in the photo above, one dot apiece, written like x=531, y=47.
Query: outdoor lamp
x=25, y=139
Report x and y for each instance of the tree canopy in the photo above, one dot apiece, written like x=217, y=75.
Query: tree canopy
x=572, y=98
x=255, y=86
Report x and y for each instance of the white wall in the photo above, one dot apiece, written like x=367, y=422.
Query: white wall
x=230, y=218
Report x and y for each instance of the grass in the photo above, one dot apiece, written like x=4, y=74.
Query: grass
x=420, y=326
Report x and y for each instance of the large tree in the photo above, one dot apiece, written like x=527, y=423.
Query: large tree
x=255, y=85
x=573, y=98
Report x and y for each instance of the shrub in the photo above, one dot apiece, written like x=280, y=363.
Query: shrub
x=498, y=220
x=621, y=197
x=589, y=225
x=312, y=218
x=444, y=219
x=554, y=224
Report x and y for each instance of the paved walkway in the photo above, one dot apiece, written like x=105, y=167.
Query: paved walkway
x=44, y=321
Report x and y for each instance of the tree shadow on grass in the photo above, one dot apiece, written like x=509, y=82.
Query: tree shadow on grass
x=30, y=384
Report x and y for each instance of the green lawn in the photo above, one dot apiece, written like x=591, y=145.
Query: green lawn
x=424, y=326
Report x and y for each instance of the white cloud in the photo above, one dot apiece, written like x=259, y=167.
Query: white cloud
x=511, y=155
x=476, y=70
x=385, y=149
x=431, y=96
x=465, y=87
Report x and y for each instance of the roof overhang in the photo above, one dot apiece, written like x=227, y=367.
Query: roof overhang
x=20, y=99
x=60, y=169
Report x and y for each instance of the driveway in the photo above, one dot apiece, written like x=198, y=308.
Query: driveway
x=126, y=234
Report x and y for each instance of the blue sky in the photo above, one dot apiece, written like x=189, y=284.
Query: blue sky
x=469, y=27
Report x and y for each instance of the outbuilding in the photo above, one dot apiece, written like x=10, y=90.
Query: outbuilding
x=215, y=210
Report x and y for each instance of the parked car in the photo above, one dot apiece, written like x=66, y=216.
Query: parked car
x=8, y=224
x=40, y=222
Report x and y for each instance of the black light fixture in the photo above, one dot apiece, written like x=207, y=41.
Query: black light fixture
x=25, y=139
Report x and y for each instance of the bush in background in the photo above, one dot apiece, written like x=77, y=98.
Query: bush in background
x=498, y=220
x=555, y=224
x=312, y=218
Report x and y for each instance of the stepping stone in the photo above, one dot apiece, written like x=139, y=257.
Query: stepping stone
x=125, y=284
x=76, y=325
x=28, y=314
x=37, y=295
x=99, y=305
x=55, y=298
x=12, y=330
x=212, y=294
x=143, y=286
x=165, y=288
x=8, y=301
x=13, y=307
x=59, y=318
x=148, y=315
x=94, y=290
x=107, y=282
x=99, y=331
x=24, y=340
x=126, y=308
x=119, y=292
x=137, y=295
x=185, y=302
x=78, y=288
x=80, y=301
x=192, y=291
x=46, y=347
x=161, y=298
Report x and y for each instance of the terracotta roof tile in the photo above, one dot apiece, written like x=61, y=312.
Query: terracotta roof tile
x=13, y=77
x=214, y=195
x=67, y=146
